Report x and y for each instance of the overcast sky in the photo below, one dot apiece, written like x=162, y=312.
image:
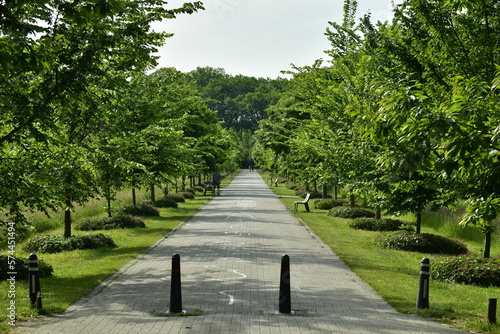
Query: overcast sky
x=256, y=38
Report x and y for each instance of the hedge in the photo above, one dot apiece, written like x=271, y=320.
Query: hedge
x=141, y=209
x=422, y=242
x=122, y=221
x=385, y=224
x=328, y=203
x=58, y=243
x=21, y=268
x=467, y=270
x=350, y=212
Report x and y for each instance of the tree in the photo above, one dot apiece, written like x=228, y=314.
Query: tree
x=61, y=62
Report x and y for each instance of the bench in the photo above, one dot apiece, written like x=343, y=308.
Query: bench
x=296, y=206
x=209, y=187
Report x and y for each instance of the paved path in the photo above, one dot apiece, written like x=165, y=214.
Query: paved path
x=230, y=260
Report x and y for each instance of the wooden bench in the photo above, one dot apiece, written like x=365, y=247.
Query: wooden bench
x=296, y=203
x=209, y=187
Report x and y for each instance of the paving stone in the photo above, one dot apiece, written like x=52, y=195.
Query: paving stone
x=230, y=265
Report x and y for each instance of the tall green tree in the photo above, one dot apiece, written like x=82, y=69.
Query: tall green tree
x=61, y=62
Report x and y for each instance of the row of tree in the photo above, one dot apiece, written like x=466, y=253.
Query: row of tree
x=406, y=112
x=79, y=117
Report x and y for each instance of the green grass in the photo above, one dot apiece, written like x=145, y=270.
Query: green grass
x=77, y=273
x=395, y=274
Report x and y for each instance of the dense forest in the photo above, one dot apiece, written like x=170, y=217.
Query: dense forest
x=405, y=113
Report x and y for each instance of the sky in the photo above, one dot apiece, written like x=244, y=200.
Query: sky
x=258, y=38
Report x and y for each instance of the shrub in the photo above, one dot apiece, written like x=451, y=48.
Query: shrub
x=327, y=203
x=109, y=223
x=196, y=189
x=187, y=194
x=423, y=243
x=141, y=209
x=58, y=243
x=302, y=192
x=21, y=268
x=176, y=197
x=373, y=224
x=165, y=202
x=467, y=270
x=350, y=212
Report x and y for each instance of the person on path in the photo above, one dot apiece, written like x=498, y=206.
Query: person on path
x=216, y=178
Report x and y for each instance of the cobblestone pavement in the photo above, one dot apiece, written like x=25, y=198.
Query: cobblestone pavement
x=230, y=262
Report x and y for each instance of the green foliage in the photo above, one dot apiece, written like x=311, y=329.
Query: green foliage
x=110, y=223
x=176, y=197
x=328, y=203
x=141, y=209
x=58, y=243
x=422, y=242
x=350, y=212
x=302, y=192
x=385, y=224
x=165, y=202
x=22, y=266
x=467, y=270
x=187, y=194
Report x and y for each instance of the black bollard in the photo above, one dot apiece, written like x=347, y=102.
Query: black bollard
x=423, y=288
x=492, y=310
x=175, y=286
x=285, y=305
x=34, y=282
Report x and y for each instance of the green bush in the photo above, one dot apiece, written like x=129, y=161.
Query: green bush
x=110, y=223
x=350, y=212
x=187, y=194
x=467, y=270
x=327, y=203
x=423, y=243
x=21, y=268
x=301, y=192
x=58, y=243
x=373, y=224
x=165, y=202
x=141, y=209
x=196, y=189
x=176, y=197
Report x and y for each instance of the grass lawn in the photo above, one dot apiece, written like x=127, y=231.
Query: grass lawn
x=395, y=274
x=77, y=273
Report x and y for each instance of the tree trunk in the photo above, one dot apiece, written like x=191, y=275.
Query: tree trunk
x=67, y=219
x=487, y=244
x=134, y=198
x=109, y=207
x=335, y=192
x=183, y=184
x=153, y=195
x=378, y=213
x=325, y=190
x=352, y=200
x=419, y=221
x=165, y=190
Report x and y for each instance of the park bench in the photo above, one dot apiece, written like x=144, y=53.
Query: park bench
x=209, y=187
x=296, y=206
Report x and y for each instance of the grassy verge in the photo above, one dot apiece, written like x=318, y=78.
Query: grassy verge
x=394, y=274
x=77, y=273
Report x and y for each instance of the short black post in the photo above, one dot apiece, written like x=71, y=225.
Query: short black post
x=492, y=310
x=285, y=305
x=175, y=286
x=34, y=282
x=423, y=288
